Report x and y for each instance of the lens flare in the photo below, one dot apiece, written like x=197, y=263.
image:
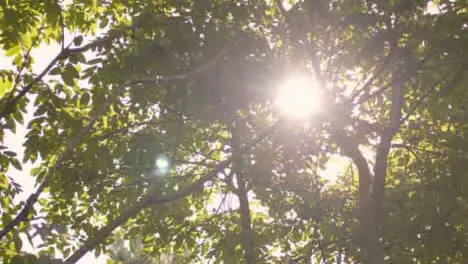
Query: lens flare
x=163, y=165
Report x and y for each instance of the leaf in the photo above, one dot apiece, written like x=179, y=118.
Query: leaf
x=97, y=251
x=66, y=252
x=77, y=57
x=16, y=164
x=55, y=71
x=69, y=75
x=18, y=243
x=13, y=51
x=5, y=86
x=95, y=61
x=35, y=171
x=78, y=40
x=10, y=153
x=84, y=100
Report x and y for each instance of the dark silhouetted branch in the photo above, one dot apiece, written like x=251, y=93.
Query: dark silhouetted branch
x=155, y=199
x=244, y=206
x=32, y=199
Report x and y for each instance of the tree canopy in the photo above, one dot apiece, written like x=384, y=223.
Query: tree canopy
x=158, y=118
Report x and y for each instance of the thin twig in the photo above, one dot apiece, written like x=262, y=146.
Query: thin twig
x=376, y=74
x=402, y=78
x=216, y=213
x=32, y=199
x=409, y=149
x=423, y=97
x=25, y=61
x=62, y=24
x=11, y=102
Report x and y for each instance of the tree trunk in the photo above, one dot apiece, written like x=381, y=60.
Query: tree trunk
x=244, y=207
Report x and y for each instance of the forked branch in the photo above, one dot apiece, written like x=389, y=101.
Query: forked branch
x=155, y=199
x=74, y=142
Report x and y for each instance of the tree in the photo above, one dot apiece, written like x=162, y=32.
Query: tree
x=154, y=111
x=133, y=253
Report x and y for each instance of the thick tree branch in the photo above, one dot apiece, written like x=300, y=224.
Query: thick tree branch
x=375, y=254
x=107, y=230
x=352, y=151
x=383, y=148
x=369, y=239
x=148, y=200
x=244, y=207
x=32, y=199
x=65, y=52
x=155, y=199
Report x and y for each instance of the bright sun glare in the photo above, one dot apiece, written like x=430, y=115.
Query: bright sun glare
x=299, y=98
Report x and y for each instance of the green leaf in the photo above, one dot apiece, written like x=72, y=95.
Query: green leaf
x=78, y=40
x=77, y=57
x=55, y=71
x=66, y=252
x=18, y=243
x=97, y=251
x=35, y=171
x=10, y=153
x=16, y=164
x=5, y=86
x=69, y=75
x=84, y=100
x=13, y=51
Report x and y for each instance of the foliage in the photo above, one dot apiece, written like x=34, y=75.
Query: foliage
x=193, y=82
x=133, y=253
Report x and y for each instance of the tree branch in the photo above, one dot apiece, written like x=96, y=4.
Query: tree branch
x=196, y=71
x=400, y=79
x=383, y=148
x=376, y=74
x=352, y=151
x=62, y=24
x=152, y=199
x=11, y=102
x=366, y=221
x=424, y=96
x=244, y=207
x=64, y=53
x=107, y=230
x=32, y=199
x=25, y=61
x=409, y=149
x=281, y=8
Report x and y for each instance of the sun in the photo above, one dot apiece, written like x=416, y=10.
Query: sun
x=299, y=98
